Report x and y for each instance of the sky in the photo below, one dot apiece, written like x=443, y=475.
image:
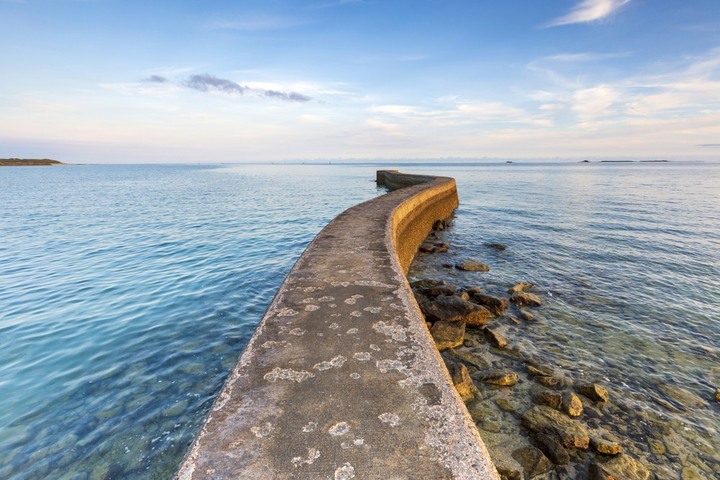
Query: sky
x=124, y=81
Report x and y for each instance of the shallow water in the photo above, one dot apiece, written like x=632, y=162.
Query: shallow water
x=627, y=260
x=128, y=292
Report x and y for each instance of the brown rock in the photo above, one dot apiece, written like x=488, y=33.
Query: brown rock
x=496, y=246
x=495, y=339
x=497, y=305
x=462, y=381
x=509, y=474
x=521, y=287
x=603, y=442
x=472, y=266
x=681, y=397
x=717, y=395
x=432, y=292
x=552, y=447
x=453, y=309
x=548, y=398
x=533, y=461
x=549, y=421
x=552, y=382
x=467, y=357
x=506, y=404
x=619, y=467
x=594, y=392
x=572, y=405
x=437, y=247
x=524, y=298
x=426, y=283
x=448, y=334
x=539, y=370
x=527, y=316
x=501, y=378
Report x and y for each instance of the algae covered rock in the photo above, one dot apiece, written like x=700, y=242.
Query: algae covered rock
x=542, y=419
x=453, y=309
x=495, y=339
x=619, y=467
x=448, y=334
x=525, y=298
x=501, y=378
x=462, y=381
x=594, y=392
x=472, y=266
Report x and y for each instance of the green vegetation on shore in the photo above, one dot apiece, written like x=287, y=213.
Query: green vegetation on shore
x=21, y=162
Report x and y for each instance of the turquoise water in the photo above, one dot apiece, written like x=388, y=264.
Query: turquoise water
x=128, y=292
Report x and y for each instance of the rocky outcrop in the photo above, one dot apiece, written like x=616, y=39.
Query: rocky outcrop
x=453, y=309
x=594, y=392
x=448, y=334
x=497, y=305
x=619, y=467
x=570, y=433
x=472, y=266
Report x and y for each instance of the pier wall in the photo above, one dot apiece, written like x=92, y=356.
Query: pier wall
x=341, y=379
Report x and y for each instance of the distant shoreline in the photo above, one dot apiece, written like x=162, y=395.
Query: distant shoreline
x=24, y=162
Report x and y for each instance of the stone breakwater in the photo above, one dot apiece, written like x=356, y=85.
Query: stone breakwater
x=342, y=379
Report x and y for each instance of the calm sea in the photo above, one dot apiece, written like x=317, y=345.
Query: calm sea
x=128, y=292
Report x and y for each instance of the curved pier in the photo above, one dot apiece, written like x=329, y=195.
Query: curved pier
x=341, y=379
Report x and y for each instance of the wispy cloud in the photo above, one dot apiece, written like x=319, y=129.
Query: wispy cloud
x=589, y=11
x=205, y=83
x=155, y=79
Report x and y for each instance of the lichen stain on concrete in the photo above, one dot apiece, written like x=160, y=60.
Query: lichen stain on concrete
x=312, y=455
x=263, y=430
x=336, y=362
x=362, y=356
x=339, y=429
x=391, y=419
x=394, y=331
x=346, y=472
x=312, y=308
x=287, y=374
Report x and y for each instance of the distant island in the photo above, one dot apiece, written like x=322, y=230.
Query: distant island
x=23, y=162
x=628, y=161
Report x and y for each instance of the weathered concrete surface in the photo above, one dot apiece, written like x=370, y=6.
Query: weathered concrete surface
x=341, y=378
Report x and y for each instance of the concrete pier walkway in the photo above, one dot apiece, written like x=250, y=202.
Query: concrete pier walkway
x=341, y=379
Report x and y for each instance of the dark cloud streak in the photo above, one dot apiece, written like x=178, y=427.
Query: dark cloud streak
x=207, y=82
x=156, y=79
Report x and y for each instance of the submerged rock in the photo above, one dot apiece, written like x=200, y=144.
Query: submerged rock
x=448, y=334
x=467, y=357
x=542, y=419
x=717, y=395
x=524, y=298
x=548, y=398
x=552, y=382
x=497, y=305
x=453, y=309
x=496, y=246
x=533, y=461
x=472, y=266
x=437, y=247
x=539, y=370
x=521, y=287
x=594, y=392
x=605, y=446
x=552, y=447
x=502, y=378
x=681, y=396
x=619, y=467
x=495, y=339
x=527, y=316
x=462, y=381
x=426, y=283
x=433, y=292
x=441, y=224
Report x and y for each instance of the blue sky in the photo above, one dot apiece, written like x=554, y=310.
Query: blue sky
x=274, y=80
